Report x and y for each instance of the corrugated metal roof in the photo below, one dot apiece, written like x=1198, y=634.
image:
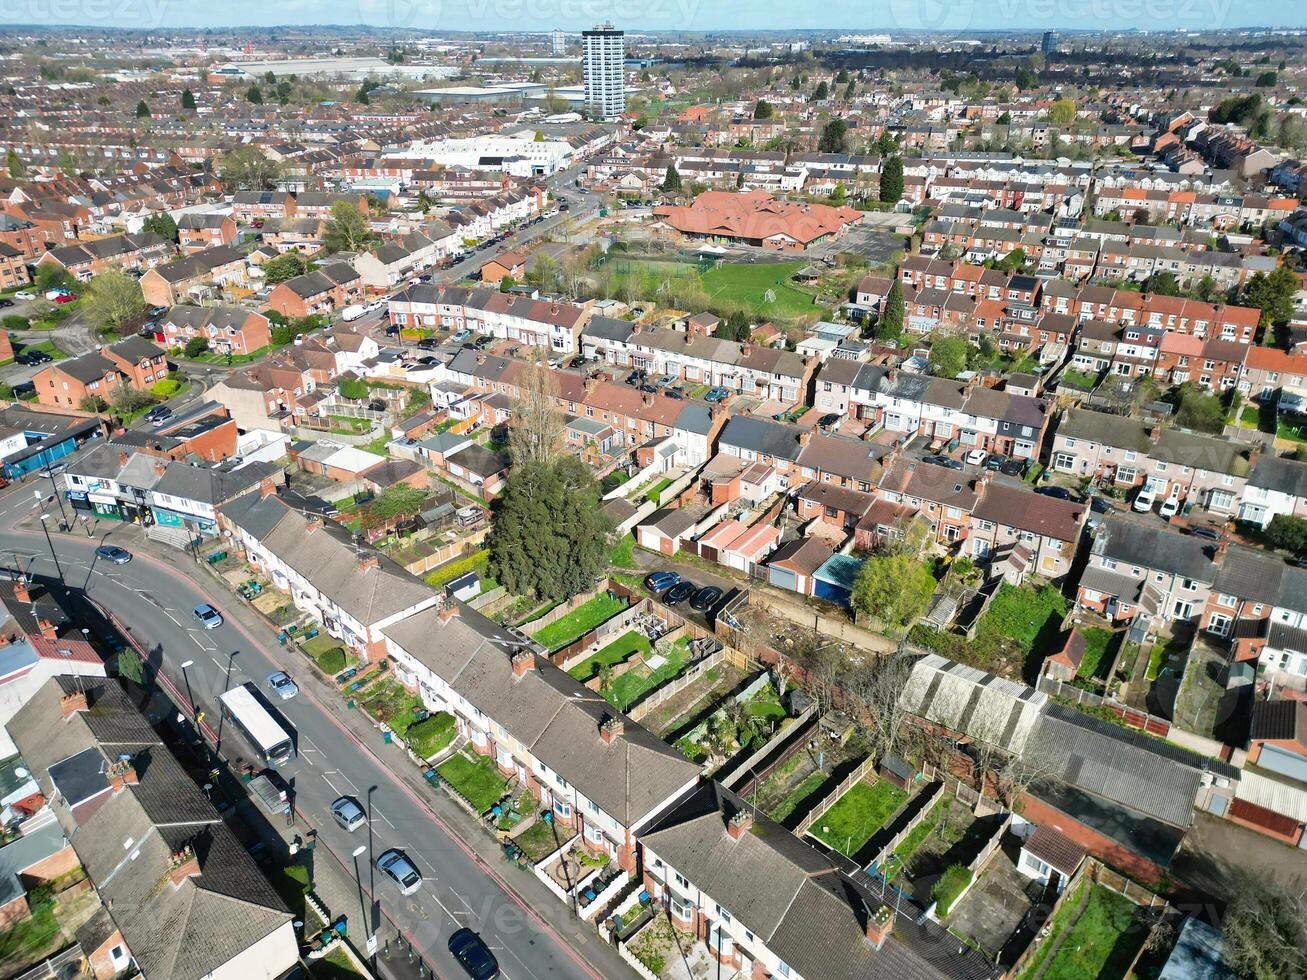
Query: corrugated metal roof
x=1272, y=794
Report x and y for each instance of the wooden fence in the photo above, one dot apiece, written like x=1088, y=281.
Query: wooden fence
x=932, y=791
x=852, y=779
x=675, y=686
x=447, y=552
x=1131, y=717
x=980, y=804
x=747, y=775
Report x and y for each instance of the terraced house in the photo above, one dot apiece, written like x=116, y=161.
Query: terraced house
x=553, y=325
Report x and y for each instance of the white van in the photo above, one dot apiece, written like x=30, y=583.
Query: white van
x=353, y=312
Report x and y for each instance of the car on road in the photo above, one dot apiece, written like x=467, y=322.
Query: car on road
x=280, y=684
x=207, y=616
x=399, y=869
x=657, y=581
x=1057, y=493
x=24, y=294
x=348, y=814
x=679, y=592
x=706, y=598
x=1202, y=531
x=976, y=457
x=1144, y=500
x=473, y=955
x=428, y=343
x=112, y=553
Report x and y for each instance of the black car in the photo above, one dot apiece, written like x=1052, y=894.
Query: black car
x=1210, y=533
x=646, y=387
x=947, y=461
x=1014, y=467
x=826, y=421
x=1100, y=505
x=428, y=343
x=679, y=592
x=994, y=462
x=1057, y=493
x=706, y=598
x=6, y=303
x=473, y=955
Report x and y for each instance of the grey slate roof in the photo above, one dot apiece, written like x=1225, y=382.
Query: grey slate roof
x=762, y=436
x=1132, y=542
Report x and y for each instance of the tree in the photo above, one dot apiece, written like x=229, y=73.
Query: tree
x=188, y=99
x=1288, y=533
x=283, y=267
x=113, y=299
x=1199, y=411
x=672, y=179
x=535, y=434
x=196, y=347
x=885, y=144
x=247, y=168
x=891, y=180
x=347, y=229
x=254, y=96
x=1004, y=118
x=161, y=224
x=355, y=388
x=93, y=404
x=763, y=110
x=890, y=325
x=838, y=195
x=832, y=137
x=874, y=690
x=14, y=164
x=1062, y=112
x=822, y=91
x=550, y=534
x=1266, y=928
x=142, y=110
x=132, y=666
x=1267, y=79
x=1272, y=294
x=1162, y=284
x=395, y=502
x=125, y=399
x=842, y=77
x=893, y=589
x=850, y=90
x=948, y=356
x=507, y=284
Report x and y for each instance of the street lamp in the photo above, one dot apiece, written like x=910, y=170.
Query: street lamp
x=186, y=679
x=54, y=486
x=367, y=925
x=46, y=528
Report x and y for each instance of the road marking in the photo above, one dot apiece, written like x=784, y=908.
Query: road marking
x=383, y=817
x=218, y=663
x=452, y=917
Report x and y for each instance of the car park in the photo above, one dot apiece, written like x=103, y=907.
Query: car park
x=657, y=581
x=112, y=553
x=679, y=592
x=399, y=869
x=347, y=813
x=706, y=598
x=280, y=684
x=473, y=955
x=207, y=616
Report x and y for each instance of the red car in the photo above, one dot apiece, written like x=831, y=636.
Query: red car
x=64, y=298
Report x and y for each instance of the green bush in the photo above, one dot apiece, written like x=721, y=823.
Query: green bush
x=196, y=346
x=429, y=736
x=332, y=661
x=950, y=886
x=17, y=323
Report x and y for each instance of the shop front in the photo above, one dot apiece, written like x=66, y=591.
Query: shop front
x=203, y=526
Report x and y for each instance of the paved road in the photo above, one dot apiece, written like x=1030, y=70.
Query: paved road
x=154, y=596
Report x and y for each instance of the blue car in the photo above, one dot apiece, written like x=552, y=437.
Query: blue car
x=657, y=581
x=715, y=395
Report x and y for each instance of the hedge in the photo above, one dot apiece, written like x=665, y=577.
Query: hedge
x=332, y=661
x=950, y=886
x=475, y=562
x=429, y=736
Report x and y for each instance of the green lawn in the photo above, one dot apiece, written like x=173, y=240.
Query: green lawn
x=1092, y=948
x=44, y=345
x=478, y=561
x=336, y=965
x=617, y=651
x=1097, y=640
x=916, y=837
x=623, y=553
x=1156, y=658
x=432, y=735
x=25, y=940
x=798, y=795
x=579, y=621
x=635, y=684
x=476, y=779
x=745, y=283
x=390, y=702
x=857, y=815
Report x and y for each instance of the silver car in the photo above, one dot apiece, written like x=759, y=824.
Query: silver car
x=348, y=814
x=400, y=870
x=281, y=685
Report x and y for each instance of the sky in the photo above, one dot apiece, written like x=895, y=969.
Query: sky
x=886, y=16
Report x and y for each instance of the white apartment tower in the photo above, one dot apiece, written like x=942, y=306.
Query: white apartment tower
x=557, y=42
x=604, y=71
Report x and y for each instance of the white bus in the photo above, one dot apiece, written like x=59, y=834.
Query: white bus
x=257, y=725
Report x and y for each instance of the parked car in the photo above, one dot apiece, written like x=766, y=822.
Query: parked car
x=941, y=460
x=1144, y=500
x=112, y=553
x=648, y=388
x=657, y=581
x=348, y=814
x=706, y=598
x=462, y=336
x=994, y=462
x=1057, y=493
x=679, y=592
x=1203, y=531
x=715, y=395
x=428, y=343
x=207, y=616
x=158, y=415
x=281, y=685
x=65, y=298
x=473, y=955
x=1015, y=467
x=829, y=421
x=24, y=294
x=976, y=457
x=6, y=303
x=399, y=869
x=1170, y=506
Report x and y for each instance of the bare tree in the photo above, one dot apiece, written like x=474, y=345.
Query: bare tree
x=874, y=693
x=1019, y=771
x=1266, y=928
x=535, y=434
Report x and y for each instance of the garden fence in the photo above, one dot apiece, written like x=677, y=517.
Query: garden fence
x=675, y=686
x=932, y=793
x=852, y=779
x=745, y=777
x=1130, y=717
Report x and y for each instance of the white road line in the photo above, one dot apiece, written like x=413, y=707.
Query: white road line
x=334, y=788
x=383, y=817
x=348, y=780
x=218, y=663
x=309, y=742
x=452, y=916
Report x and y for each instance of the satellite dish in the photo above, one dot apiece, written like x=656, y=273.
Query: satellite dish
x=21, y=773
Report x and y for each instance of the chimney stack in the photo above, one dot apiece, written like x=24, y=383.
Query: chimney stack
x=522, y=661
x=610, y=729
x=267, y=487
x=21, y=592
x=184, y=865
x=805, y=437
x=47, y=629
x=160, y=467
x=122, y=457
x=369, y=561
x=879, y=925
x=122, y=774
x=314, y=523
x=71, y=702
x=739, y=824
x=448, y=612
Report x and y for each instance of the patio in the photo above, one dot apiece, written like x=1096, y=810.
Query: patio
x=993, y=911
x=671, y=954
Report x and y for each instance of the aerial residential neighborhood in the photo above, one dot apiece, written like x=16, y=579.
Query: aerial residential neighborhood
x=728, y=494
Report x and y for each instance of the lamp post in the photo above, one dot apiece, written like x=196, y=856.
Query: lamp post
x=54, y=487
x=367, y=924
x=186, y=679
x=46, y=528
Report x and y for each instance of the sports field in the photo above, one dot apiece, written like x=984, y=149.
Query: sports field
x=739, y=284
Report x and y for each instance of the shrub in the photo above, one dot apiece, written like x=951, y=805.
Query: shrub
x=429, y=736
x=196, y=346
x=950, y=886
x=332, y=661
x=17, y=323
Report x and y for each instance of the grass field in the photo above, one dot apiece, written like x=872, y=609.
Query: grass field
x=1097, y=640
x=797, y=796
x=733, y=284
x=857, y=815
x=476, y=780
x=614, y=653
x=579, y=621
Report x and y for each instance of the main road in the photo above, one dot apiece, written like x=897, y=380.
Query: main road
x=532, y=933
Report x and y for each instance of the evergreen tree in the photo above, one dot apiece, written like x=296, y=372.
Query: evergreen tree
x=254, y=95
x=891, y=180
x=188, y=99
x=672, y=180
x=142, y=110
x=890, y=325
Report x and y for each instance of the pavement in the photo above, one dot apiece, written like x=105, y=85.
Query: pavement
x=467, y=882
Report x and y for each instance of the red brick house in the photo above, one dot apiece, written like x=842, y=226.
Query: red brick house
x=325, y=290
